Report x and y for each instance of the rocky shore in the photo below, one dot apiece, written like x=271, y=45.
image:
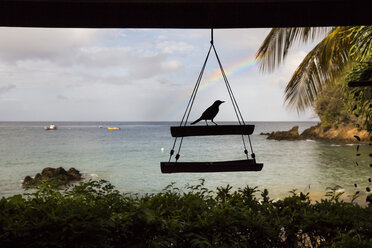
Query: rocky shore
x=346, y=133
x=60, y=175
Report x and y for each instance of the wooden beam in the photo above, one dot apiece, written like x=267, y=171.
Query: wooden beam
x=183, y=13
x=221, y=166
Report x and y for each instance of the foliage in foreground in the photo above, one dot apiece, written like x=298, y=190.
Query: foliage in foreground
x=94, y=214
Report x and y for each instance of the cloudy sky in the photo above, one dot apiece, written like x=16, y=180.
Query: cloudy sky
x=136, y=75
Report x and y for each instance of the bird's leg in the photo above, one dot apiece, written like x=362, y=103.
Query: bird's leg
x=214, y=123
x=206, y=122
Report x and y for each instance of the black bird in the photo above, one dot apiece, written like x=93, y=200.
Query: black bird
x=209, y=113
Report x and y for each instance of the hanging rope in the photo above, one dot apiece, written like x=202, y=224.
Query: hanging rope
x=232, y=97
x=190, y=105
x=193, y=96
x=196, y=87
x=198, y=84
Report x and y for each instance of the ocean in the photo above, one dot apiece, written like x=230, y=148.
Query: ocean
x=130, y=158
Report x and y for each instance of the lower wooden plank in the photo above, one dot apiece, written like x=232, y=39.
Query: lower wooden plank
x=220, y=166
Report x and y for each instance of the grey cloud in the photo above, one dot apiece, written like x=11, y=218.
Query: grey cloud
x=242, y=38
x=174, y=46
x=130, y=69
x=168, y=83
x=104, y=79
x=33, y=43
x=119, y=65
x=147, y=67
x=4, y=89
x=164, y=81
x=62, y=97
x=95, y=57
x=73, y=54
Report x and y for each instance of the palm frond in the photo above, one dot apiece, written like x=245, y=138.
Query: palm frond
x=362, y=48
x=323, y=65
x=274, y=49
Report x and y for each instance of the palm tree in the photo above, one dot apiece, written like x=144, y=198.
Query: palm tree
x=327, y=62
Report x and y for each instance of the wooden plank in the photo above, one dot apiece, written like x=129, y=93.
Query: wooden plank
x=212, y=130
x=220, y=166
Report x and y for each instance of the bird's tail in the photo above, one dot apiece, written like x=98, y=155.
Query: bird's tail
x=196, y=121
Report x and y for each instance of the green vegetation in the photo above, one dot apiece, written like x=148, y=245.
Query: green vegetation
x=359, y=99
x=331, y=107
x=340, y=104
x=94, y=214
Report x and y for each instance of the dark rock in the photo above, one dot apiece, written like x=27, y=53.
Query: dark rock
x=285, y=135
x=59, y=174
x=266, y=133
x=311, y=132
x=38, y=177
x=62, y=174
x=28, y=181
x=48, y=172
x=60, y=171
x=74, y=173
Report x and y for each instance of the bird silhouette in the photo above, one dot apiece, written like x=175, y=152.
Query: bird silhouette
x=210, y=113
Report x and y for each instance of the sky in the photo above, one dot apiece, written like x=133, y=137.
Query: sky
x=138, y=75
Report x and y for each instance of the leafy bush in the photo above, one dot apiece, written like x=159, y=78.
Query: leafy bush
x=94, y=214
x=338, y=103
x=359, y=104
x=332, y=107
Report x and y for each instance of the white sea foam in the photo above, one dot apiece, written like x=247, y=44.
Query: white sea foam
x=340, y=190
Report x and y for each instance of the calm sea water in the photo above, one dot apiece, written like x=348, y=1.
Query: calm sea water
x=130, y=158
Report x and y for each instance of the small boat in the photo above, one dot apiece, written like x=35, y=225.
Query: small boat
x=51, y=127
x=113, y=128
x=100, y=126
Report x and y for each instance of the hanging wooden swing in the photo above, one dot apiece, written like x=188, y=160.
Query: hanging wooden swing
x=182, y=131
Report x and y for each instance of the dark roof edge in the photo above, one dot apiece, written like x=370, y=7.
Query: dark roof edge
x=184, y=14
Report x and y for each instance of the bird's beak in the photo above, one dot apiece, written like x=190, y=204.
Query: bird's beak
x=222, y=101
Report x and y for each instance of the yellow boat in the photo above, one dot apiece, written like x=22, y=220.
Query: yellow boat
x=113, y=128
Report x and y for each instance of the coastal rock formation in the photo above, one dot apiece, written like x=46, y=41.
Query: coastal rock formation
x=58, y=174
x=342, y=134
x=291, y=134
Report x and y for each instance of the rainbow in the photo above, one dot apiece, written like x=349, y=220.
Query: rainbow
x=183, y=98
